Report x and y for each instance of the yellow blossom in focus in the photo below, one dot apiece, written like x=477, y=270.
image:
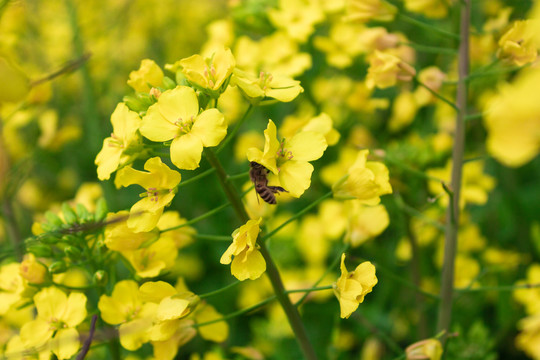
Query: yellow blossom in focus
x=352, y=287
x=430, y=8
x=322, y=124
x=365, y=181
x=430, y=349
x=176, y=117
x=517, y=46
x=289, y=160
x=209, y=73
x=248, y=261
x=149, y=261
x=33, y=271
x=367, y=10
x=266, y=85
x=513, y=120
x=386, y=69
x=160, y=184
x=121, y=147
x=147, y=76
x=119, y=237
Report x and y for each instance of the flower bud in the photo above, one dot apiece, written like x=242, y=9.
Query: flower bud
x=57, y=267
x=69, y=214
x=73, y=253
x=429, y=349
x=100, y=277
x=39, y=250
x=33, y=271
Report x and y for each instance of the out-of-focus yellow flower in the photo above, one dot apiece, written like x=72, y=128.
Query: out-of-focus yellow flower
x=530, y=298
x=517, y=45
x=475, y=185
x=248, y=261
x=57, y=317
x=151, y=260
x=33, y=271
x=245, y=141
x=181, y=237
x=217, y=332
x=386, y=69
x=11, y=286
x=176, y=117
x=433, y=78
x=266, y=85
x=404, y=111
x=352, y=287
x=365, y=222
x=482, y=48
x=466, y=271
x=429, y=349
x=209, y=73
x=147, y=76
x=342, y=45
x=160, y=184
x=126, y=308
x=14, y=85
x=430, y=8
x=365, y=181
x=220, y=34
x=529, y=337
x=119, y=237
x=121, y=147
x=513, y=120
x=297, y=17
x=289, y=160
x=506, y=259
x=367, y=10
x=312, y=242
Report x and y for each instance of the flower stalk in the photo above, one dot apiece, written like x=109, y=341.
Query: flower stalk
x=271, y=269
x=452, y=214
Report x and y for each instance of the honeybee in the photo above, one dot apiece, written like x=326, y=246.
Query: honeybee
x=257, y=174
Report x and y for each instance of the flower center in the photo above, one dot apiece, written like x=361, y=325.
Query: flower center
x=185, y=124
x=114, y=141
x=210, y=75
x=284, y=152
x=264, y=80
x=154, y=193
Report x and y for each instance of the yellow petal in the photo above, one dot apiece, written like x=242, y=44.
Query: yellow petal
x=295, y=176
x=186, y=151
x=179, y=103
x=65, y=343
x=50, y=303
x=210, y=127
x=217, y=332
x=75, y=310
x=108, y=159
x=172, y=308
x=155, y=291
x=134, y=334
x=156, y=127
x=248, y=265
x=36, y=333
x=307, y=146
x=14, y=85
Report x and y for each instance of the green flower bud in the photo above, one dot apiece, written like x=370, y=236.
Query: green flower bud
x=100, y=277
x=168, y=83
x=83, y=214
x=69, y=215
x=101, y=209
x=40, y=250
x=53, y=219
x=73, y=253
x=134, y=104
x=57, y=267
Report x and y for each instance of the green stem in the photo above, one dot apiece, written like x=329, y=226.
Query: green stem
x=328, y=270
x=218, y=291
x=436, y=94
x=196, y=177
x=309, y=290
x=401, y=165
x=237, y=313
x=297, y=215
x=453, y=210
x=212, y=237
x=238, y=176
x=199, y=218
x=499, y=288
x=423, y=25
x=235, y=129
x=431, y=49
x=271, y=269
x=418, y=214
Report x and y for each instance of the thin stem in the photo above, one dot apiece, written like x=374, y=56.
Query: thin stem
x=238, y=176
x=199, y=218
x=308, y=290
x=405, y=282
x=235, y=129
x=418, y=214
x=237, y=313
x=70, y=66
x=499, y=288
x=88, y=341
x=328, y=270
x=218, y=291
x=271, y=269
x=453, y=210
x=401, y=165
x=212, y=237
x=12, y=228
x=297, y=215
x=430, y=49
x=197, y=177
x=436, y=94
x=423, y=25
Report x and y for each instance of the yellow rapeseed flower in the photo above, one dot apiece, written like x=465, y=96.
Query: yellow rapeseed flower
x=386, y=69
x=209, y=73
x=147, y=76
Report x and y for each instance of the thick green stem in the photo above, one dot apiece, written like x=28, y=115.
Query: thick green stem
x=452, y=214
x=271, y=269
